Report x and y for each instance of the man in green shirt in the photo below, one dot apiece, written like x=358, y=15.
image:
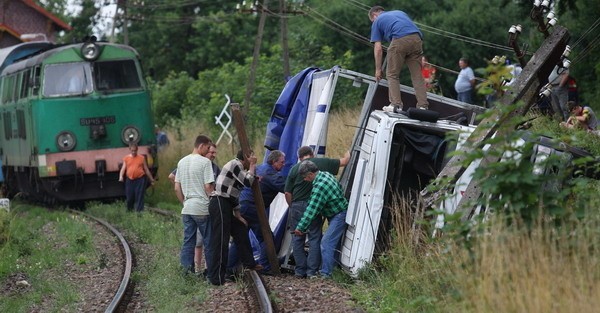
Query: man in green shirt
x=326, y=198
x=297, y=193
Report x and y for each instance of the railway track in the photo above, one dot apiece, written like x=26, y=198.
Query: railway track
x=252, y=278
x=119, y=299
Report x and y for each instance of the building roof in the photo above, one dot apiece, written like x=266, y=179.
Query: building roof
x=49, y=15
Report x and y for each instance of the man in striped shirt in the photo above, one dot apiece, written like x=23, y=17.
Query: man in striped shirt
x=193, y=186
x=327, y=198
x=225, y=218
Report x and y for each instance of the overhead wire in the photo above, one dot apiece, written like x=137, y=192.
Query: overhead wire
x=589, y=30
x=587, y=50
x=335, y=26
x=358, y=4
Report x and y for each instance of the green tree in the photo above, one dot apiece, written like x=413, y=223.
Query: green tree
x=83, y=23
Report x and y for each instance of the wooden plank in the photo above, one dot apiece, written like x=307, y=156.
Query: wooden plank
x=238, y=121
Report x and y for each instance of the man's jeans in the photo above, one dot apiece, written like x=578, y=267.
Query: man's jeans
x=331, y=241
x=192, y=224
x=134, y=193
x=306, y=266
x=466, y=97
x=559, y=99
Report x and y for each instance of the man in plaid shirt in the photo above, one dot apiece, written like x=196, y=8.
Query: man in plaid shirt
x=225, y=218
x=327, y=199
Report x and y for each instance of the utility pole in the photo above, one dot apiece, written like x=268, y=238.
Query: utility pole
x=284, y=40
x=255, y=56
x=123, y=5
x=125, y=31
x=114, y=24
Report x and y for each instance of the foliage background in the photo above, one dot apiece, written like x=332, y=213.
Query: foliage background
x=196, y=51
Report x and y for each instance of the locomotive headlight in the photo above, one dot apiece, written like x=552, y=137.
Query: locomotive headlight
x=130, y=134
x=66, y=141
x=90, y=51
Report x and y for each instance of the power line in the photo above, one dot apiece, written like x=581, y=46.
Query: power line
x=338, y=27
x=589, y=30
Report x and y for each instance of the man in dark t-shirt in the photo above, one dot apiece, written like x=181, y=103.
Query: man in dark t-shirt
x=297, y=193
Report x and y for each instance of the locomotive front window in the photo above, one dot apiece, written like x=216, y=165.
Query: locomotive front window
x=119, y=75
x=67, y=79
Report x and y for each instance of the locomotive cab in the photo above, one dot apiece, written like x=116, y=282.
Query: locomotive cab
x=69, y=114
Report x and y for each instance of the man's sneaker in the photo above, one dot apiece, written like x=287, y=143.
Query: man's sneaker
x=389, y=108
x=392, y=108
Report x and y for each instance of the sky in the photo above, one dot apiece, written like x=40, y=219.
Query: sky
x=107, y=13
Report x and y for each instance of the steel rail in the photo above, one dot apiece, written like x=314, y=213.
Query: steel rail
x=261, y=291
x=252, y=276
x=112, y=307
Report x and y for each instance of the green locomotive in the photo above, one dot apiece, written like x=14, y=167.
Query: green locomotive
x=67, y=116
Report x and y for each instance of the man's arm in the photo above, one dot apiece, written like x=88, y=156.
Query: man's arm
x=378, y=54
x=317, y=200
x=564, y=78
x=147, y=171
x=179, y=192
x=345, y=160
x=288, y=198
x=122, y=172
x=209, y=188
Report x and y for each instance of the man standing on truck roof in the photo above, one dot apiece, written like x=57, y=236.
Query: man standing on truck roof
x=327, y=199
x=406, y=46
x=297, y=194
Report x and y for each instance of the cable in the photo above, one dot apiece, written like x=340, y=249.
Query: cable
x=589, y=48
x=589, y=30
x=336, y=26
x=455, y=36
x=358, y=4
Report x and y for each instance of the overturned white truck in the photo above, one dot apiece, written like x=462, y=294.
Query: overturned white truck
x=393, y=155
x=398, y=154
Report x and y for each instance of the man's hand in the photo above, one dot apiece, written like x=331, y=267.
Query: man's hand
x=378, y=75
x=240, y=218
x=251, y=158
x=298, y=232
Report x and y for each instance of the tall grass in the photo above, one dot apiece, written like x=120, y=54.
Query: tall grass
x=182, y=137
x=508, y=268
x=540, y=270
